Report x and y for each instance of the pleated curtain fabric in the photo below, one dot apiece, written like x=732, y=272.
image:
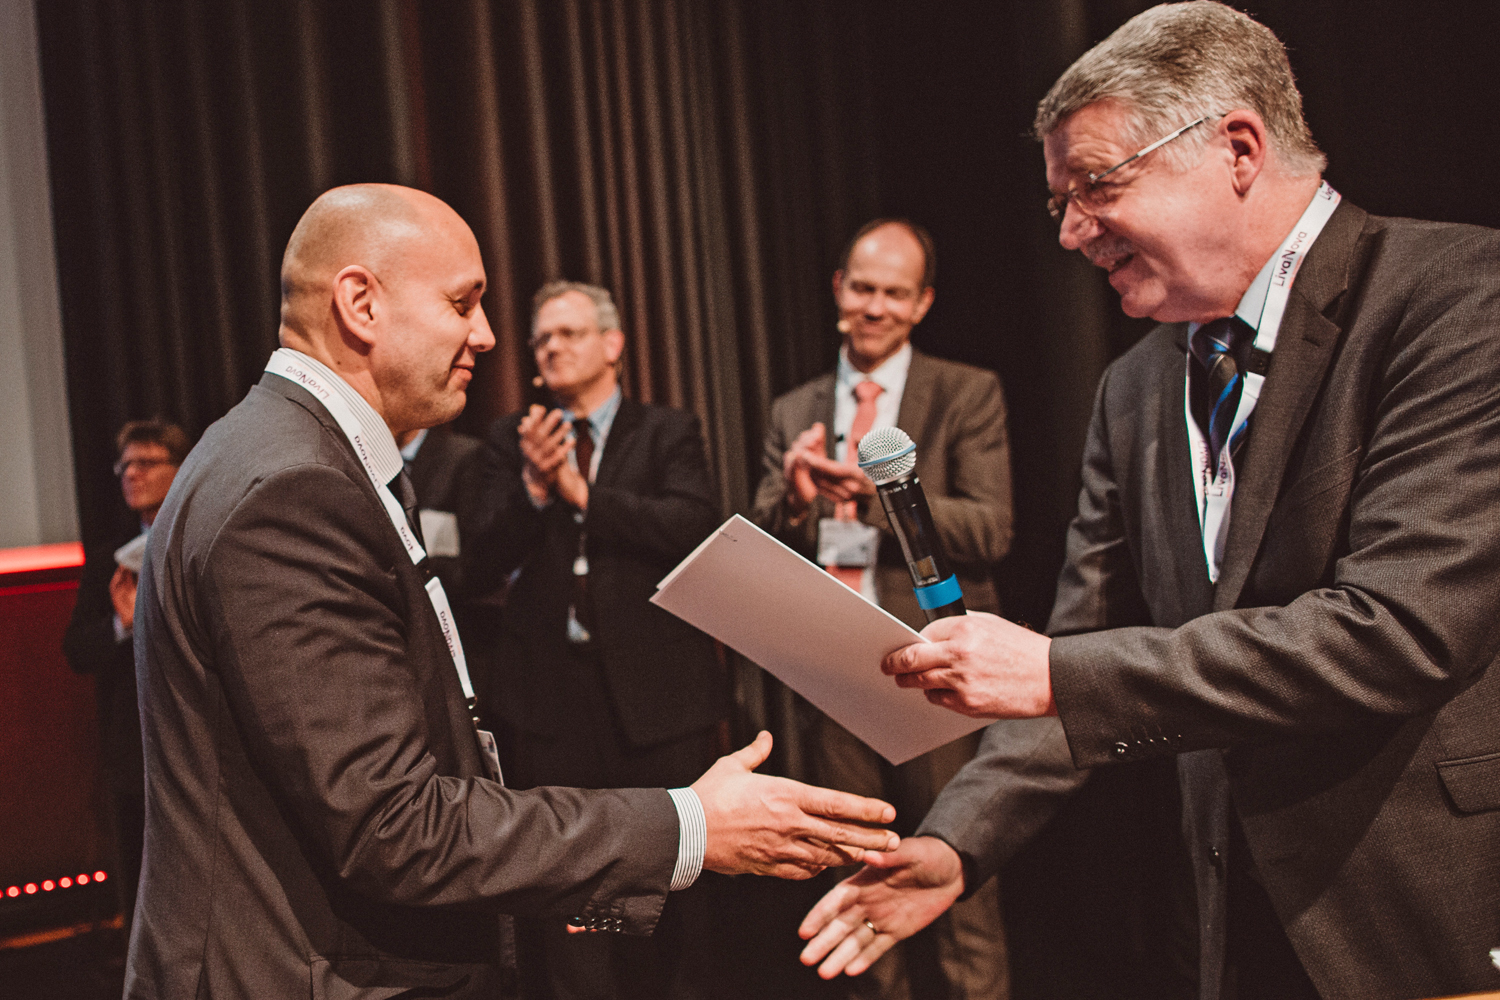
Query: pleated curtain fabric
x=679, y=153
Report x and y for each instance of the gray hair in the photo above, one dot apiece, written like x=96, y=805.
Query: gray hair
x=1177, y=62
x=604, y=304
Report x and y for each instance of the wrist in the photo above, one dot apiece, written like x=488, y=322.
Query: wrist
x=797, y=501
x=1048, y=702
x=575, y=490
x=535, y=485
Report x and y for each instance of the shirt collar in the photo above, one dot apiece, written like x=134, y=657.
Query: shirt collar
x=890, y=375
x=385, y=457
x=1253, y=302
x=410, y=449
x=603, y=416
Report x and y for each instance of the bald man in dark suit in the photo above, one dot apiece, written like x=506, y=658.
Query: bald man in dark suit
x=318, y=821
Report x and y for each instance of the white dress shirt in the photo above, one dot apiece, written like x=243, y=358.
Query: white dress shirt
x=890, y=376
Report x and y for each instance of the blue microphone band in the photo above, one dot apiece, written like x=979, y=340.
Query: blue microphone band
x=940, y=594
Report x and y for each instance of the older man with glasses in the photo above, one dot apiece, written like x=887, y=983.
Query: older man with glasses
x=588, y=501
x=1283, y=567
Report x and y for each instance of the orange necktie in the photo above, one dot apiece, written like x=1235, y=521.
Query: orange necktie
x=848, y=510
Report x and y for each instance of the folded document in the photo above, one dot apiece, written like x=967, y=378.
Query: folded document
x=817, y=636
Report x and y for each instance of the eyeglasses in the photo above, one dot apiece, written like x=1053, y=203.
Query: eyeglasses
x=567, y=333
x=143, y=464
x=1091, y=197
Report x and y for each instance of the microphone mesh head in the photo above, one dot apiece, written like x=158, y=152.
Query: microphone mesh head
x=887, y=453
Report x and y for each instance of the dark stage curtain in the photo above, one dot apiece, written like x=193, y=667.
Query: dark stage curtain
x=681, y=154
x=706, y=160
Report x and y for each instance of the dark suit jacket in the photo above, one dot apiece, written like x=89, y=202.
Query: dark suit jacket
x=1343, y=661
x=652, y=502
x=90, y=647
x=315, y=823
x=956, y=415
x=445, y=477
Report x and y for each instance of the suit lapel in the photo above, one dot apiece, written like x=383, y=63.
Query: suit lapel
x=916, y=397
x=1304, y=347
x=820, y=407
x=627, y=419
x=1175, y=471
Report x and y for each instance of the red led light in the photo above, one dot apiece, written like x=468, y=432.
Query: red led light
x=48, y=885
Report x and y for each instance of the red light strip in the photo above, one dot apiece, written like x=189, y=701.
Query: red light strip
x=48, y=885
x=39, y=557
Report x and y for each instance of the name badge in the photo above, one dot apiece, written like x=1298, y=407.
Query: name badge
x=439, y=531
x=847, y=543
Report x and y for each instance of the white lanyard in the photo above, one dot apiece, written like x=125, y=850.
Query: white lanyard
x=290, y=367
x=1214, y=483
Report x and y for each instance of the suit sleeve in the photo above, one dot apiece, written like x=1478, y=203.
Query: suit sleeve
x=499, y=530
x=663, y=524
x=310, y=628
x=974, y=517
x=1408, y=620
x=771, y=512
x=89, y=643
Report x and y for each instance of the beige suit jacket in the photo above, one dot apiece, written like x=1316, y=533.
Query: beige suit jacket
x=956, y=415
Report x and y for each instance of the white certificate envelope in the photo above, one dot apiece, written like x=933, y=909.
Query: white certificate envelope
x=822, y=639
x=133, y=553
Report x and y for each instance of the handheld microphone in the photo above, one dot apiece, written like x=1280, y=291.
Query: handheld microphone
x=889, y=457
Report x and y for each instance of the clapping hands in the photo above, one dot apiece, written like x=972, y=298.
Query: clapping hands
x=809, y=472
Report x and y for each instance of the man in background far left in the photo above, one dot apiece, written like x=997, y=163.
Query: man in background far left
x=98, y=639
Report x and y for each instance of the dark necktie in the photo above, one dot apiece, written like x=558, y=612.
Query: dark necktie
x=583, y=449
x=402, y=487
x=1215, y=347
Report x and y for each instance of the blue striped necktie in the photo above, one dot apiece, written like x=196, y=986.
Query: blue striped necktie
x=1215, y=347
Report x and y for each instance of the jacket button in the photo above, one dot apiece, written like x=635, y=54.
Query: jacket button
x=1120, y=749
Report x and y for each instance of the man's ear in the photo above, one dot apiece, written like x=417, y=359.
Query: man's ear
x=924, y=303
x=838, y=284
x=614, y=345
x=1243, y=131
x=356, y=302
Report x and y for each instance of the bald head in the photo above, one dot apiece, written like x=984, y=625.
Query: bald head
x=883, y=290
x=381, y=227
x=383, y=284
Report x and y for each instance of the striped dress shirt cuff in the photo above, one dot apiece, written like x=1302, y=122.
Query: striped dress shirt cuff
x=692, y=837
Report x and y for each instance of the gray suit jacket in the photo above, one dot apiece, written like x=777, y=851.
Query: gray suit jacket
x=956, y=415
x=1335, y=688
x=315, y=820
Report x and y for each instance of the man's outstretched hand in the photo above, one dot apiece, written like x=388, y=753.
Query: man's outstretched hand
x=764, y=825
x=897, y=893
